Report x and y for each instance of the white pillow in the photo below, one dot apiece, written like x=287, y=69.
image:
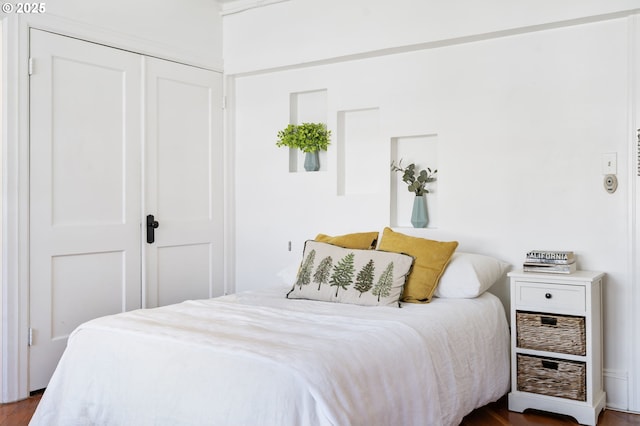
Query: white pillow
x=361, y=277
x=468, y=275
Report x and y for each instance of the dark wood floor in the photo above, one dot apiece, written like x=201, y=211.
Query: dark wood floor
x=498, y=414
x=19, y=414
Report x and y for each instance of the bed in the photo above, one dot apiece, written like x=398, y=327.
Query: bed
x=260, y=357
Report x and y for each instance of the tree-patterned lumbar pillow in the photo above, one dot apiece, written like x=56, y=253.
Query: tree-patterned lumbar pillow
x=361, y=277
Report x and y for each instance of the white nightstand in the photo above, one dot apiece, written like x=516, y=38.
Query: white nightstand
x=556, y=344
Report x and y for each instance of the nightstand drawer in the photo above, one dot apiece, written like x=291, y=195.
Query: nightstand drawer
x=553, y=377
x=550, y=296
x=553, y=333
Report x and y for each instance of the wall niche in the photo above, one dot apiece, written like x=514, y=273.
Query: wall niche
x=357, y=145
x=307, y=107
x=422, y=150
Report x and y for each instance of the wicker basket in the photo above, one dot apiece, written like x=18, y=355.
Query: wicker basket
x=553, y=377
x=553, y=333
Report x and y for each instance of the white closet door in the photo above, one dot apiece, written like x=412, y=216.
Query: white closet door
x=85, y=190
x=184, y=182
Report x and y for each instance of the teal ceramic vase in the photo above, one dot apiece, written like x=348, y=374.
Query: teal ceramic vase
x=419, y=218
x=312, y=161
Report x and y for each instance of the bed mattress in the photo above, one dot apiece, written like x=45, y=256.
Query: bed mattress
x=259, y=358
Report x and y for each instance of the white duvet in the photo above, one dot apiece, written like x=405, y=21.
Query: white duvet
x=257, y=358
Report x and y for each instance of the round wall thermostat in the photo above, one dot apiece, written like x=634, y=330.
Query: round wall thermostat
x=610, y=183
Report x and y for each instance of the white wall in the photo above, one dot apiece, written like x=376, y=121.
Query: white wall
x=521, y=120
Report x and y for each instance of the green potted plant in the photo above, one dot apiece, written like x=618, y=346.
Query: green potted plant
x=309, y=138
x=416, y=181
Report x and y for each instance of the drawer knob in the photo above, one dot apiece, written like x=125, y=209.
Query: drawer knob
x=547, y=296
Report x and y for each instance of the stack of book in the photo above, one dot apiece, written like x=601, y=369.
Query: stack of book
x=554, y=262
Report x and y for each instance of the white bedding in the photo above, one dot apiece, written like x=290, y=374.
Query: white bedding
x=257, y=358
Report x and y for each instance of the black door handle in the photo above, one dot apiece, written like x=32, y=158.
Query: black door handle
x=152, y=224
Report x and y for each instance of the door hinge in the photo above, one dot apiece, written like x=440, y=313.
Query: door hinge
x=224, y=102
x=638, y=154
x=30, y=336
x=30, y=66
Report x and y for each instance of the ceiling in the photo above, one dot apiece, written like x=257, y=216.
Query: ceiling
x=234, y=6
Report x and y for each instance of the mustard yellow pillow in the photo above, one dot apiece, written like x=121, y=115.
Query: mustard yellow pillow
x=431, y=258
x=360, y=240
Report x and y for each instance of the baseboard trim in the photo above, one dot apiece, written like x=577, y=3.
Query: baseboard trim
x=616, y=384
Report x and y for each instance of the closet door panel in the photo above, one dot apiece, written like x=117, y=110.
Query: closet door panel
x=85, y=190
x=184, y=144
x=183, y=272
x=184, y=188
x=88, y=157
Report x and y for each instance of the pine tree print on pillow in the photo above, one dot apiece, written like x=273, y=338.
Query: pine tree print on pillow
x=385, y=282
x=364, y=280
x=343, y=273
x=321, y=276
x=304, y=275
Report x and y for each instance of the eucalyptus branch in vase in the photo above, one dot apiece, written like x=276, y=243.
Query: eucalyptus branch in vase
x=415, y=178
